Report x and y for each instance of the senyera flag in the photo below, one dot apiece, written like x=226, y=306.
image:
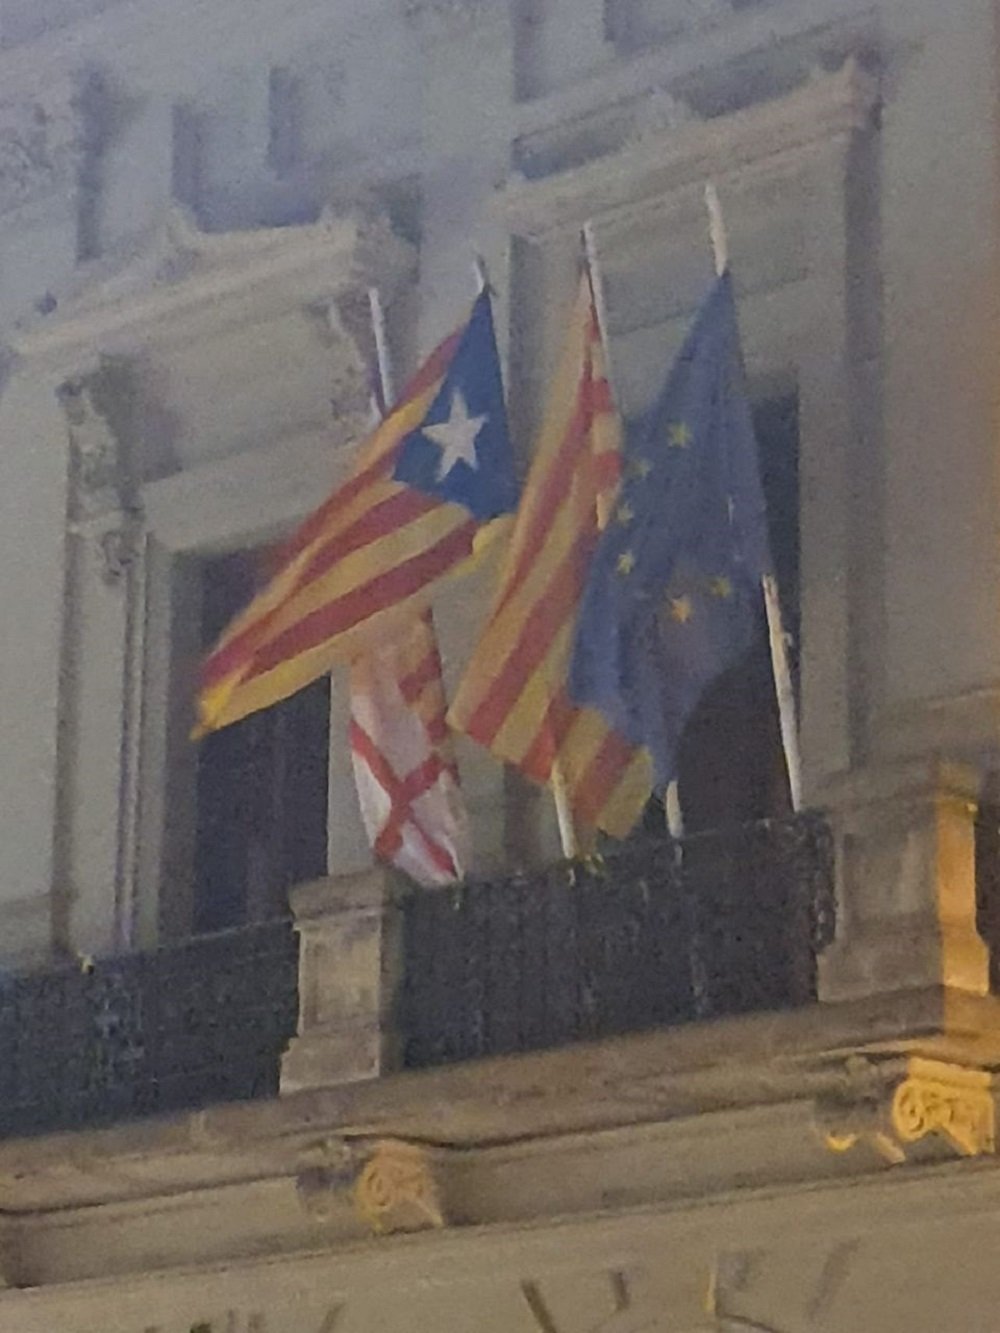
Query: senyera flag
x=407, y=781
x=514, y=697
x=428, y=483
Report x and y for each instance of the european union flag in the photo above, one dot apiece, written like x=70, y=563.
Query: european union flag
x=461, y=450
x=674, y=595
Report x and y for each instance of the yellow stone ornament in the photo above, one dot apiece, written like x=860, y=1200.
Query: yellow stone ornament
x=681, y=609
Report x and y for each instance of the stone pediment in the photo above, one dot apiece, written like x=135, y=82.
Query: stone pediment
x=233, y=340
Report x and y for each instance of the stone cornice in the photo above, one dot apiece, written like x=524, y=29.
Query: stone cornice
x=736, y=1064
x=182, y=283
x=828, y=107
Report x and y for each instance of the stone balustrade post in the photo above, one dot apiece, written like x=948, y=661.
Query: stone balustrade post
x=349, y=930
x=906, y=919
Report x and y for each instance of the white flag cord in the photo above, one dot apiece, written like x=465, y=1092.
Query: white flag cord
x=383, y=357
x=777, y=640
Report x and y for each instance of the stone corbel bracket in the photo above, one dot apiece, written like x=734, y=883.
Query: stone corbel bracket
x=393, y=1185
x=926, y=1108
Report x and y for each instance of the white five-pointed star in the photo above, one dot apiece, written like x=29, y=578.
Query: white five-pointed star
x=456, y=437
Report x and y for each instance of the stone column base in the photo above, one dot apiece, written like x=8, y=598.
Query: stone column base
x=348, y=969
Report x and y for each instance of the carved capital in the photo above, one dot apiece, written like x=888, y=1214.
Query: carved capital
x=98, y=409
x=397, y=1189
x=391, y=1184
x=950, y=1101
x=40, y=145
x=925, y=1103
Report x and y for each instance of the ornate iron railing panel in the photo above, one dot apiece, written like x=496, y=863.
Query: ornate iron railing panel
x=641, y=940
x=647, y=938
x=200, y=1022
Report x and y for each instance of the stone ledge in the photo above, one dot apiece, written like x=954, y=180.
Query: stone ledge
x=718, y=1066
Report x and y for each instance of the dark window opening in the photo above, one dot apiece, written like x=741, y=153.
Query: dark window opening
x=261, y=783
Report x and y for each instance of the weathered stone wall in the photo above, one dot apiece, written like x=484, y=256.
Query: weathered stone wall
x=867, y=281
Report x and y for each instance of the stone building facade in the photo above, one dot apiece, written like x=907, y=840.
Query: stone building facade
x=194, y=201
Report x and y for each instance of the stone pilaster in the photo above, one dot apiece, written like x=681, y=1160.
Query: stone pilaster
x=906, y=883
x=101, y=646
x=349, y=966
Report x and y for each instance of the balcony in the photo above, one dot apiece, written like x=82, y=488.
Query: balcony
x=656, y=935
x=200, y=1022
x=731, y=922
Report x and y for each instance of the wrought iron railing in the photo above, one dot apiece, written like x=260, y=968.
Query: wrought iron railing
x=646, y=938
x=183, y=1026
x=731, y=922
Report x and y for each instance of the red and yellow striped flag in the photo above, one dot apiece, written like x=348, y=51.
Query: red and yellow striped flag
x=513, y=698
x=366, y=560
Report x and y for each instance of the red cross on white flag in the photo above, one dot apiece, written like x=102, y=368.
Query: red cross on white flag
x=408, y=787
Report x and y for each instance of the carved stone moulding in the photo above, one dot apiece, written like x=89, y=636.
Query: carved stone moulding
x=954, y=1103
x=916, y=1108
x=99, y=410
x=392, y=1185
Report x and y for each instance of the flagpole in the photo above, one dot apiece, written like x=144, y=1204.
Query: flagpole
x=775, y=630
x=480, y=273
x=383, y=357
x=597, y=287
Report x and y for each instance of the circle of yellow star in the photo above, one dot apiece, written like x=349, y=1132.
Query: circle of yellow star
x=625, y=563
x=720, y=586
x=641, y=468
x=625, y=513
x=679, y=435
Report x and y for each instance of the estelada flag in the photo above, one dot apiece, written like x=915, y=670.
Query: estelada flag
x=429, y=479
x=514, y=698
